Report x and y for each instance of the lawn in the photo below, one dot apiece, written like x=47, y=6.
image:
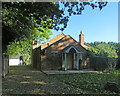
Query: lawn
x=90, y=83
x=26, y=80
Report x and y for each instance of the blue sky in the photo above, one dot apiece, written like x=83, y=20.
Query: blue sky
x=96, y=25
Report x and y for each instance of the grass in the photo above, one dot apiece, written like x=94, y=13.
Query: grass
x=22, y=68
x=27, y=80
x=91, y=83
x=24, y=79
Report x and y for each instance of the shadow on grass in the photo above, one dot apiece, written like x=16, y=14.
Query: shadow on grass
x=21, y=80
x=22, y=68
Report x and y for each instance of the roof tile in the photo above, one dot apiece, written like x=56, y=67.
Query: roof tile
x=56, y=38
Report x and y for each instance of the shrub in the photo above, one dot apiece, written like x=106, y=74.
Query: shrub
x=98, y=63
x=118, y=64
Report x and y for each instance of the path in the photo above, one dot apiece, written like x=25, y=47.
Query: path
x=69, y=72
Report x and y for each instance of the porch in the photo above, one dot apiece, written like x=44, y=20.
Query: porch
x=53, y=72
x=71, y=59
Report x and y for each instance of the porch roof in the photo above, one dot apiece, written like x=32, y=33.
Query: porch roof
x=67, y=49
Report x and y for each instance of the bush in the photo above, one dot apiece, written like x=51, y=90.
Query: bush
x=112, y=62
x=113, y=87
x=118, y=64
x=103, y=63
x=98, y=63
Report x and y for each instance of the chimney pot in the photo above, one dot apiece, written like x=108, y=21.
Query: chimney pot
x=47, y=44
x=81, y=32
x=81, y=38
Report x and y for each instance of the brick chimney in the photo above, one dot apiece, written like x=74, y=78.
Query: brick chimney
x=81, y=38
x=34, y=45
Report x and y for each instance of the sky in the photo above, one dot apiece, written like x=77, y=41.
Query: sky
x=96, y=25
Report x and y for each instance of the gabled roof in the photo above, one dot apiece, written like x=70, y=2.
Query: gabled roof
x=52, y=44
x=86, y=46
x=56, y=38
x=76, y=45
x=62, y=46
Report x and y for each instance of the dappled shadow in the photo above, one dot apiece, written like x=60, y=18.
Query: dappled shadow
x=22, y=68
x=27, y=76
x=28, y=82
x=33, y=82
x=22, y=81
x=58, y=46
x=39, y=82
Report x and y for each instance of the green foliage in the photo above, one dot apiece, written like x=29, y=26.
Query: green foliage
x=22, y=47
x=118, y=63
x=88, y=83
x=98, y=63
x=24, y=21
x=109, y=49
x=103, y=56
x=19, y=19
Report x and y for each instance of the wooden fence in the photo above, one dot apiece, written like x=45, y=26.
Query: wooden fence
x=5, y=65
x=36, y=58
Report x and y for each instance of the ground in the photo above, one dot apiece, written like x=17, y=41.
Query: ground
x=26, y=80
x=22, y=80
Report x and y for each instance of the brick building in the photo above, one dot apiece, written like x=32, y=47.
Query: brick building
x=64, y=53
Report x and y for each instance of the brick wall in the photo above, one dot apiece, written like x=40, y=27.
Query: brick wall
x=51, y=61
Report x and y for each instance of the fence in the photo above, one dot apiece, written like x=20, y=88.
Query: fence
x=36, y=58
x=5, y=65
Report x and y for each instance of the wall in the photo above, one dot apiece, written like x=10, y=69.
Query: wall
x=14, y=61
x=51, y=61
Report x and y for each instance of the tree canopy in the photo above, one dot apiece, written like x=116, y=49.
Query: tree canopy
x=24, y=21
x=103, y=49
x=20, y=18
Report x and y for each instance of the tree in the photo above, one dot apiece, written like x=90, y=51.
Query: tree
x=104, y=55
x=118, y=63
x=24, y=21
x=109, y=49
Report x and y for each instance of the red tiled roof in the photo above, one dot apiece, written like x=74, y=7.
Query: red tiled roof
x=63, y=44
x=56, y=38
x=86, y=46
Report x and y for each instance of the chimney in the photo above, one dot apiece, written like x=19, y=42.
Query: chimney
x=47, y=44
x=34, y=44
x=81, y=38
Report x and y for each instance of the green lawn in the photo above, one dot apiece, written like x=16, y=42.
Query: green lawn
x=90, y=83
x=22, y=68
x=27, y=80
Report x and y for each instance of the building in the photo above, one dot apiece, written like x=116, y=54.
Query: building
x=15, y=60
x=64, y=53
